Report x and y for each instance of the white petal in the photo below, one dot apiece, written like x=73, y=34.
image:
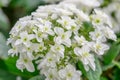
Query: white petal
x=29, y=66
x=76, y=51
x=92, y=65
x=32, y=36
x=50, y=32
x=18, y=42
x=23, y=34
x=20, y=65
x=30, y=55
x=85, y=61
x=67, y=42
x=57, y=40
x=68, y=33
x=27, y=44
x=58, y=30
x=76, y=38
x=39, y=39
x=62, y=73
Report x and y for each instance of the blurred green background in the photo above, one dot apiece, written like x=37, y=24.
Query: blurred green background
x=11, y=11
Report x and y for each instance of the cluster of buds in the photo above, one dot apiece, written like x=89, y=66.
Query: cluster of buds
x=56, y=37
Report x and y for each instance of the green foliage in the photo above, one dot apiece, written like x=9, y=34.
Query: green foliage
x=106, y=2
x=4, y=22
x=112, y=53
x=116, y=74
x=116, y=64
x=103, y=78
x=37, y=78
x=28, y=5
x=4, y=75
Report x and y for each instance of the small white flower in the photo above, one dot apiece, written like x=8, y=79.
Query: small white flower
x=25, y=62
x=13, y=51
x=97, y=35
x=69, y=24
x=66, y=22
x=109, y=33
x=97, y=20
x=40, y=35
x=63, y=37
x=25, y=38
x=16, y=50
x=85, y=56
x=20, y=25
x=49, y=60
x=59, y=49
x=29, y=50
x=39, y=47
x=114, y=7
x=46, y=28
x=101, y=17
x=80, y=40
x=69, y=73
x=52, y=74
x=99, y=48
x=82, y=16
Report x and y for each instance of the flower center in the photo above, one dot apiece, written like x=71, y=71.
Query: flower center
x=25, y=39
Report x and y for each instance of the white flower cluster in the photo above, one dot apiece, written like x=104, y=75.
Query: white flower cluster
x=85, y=5
x=56, y=37
x=88, y=3
x=113, y=10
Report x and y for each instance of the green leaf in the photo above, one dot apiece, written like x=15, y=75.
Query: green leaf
x=106, y=67
x=4, y=75
x=81, y=68
x=112, y=53
x=3, y=47
x=103, y=78
x=116, y=63
x=4, y=22
x=92, y=75
x=39, y=77
x=105, y=3
x=116, y=74
x=27, y=4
